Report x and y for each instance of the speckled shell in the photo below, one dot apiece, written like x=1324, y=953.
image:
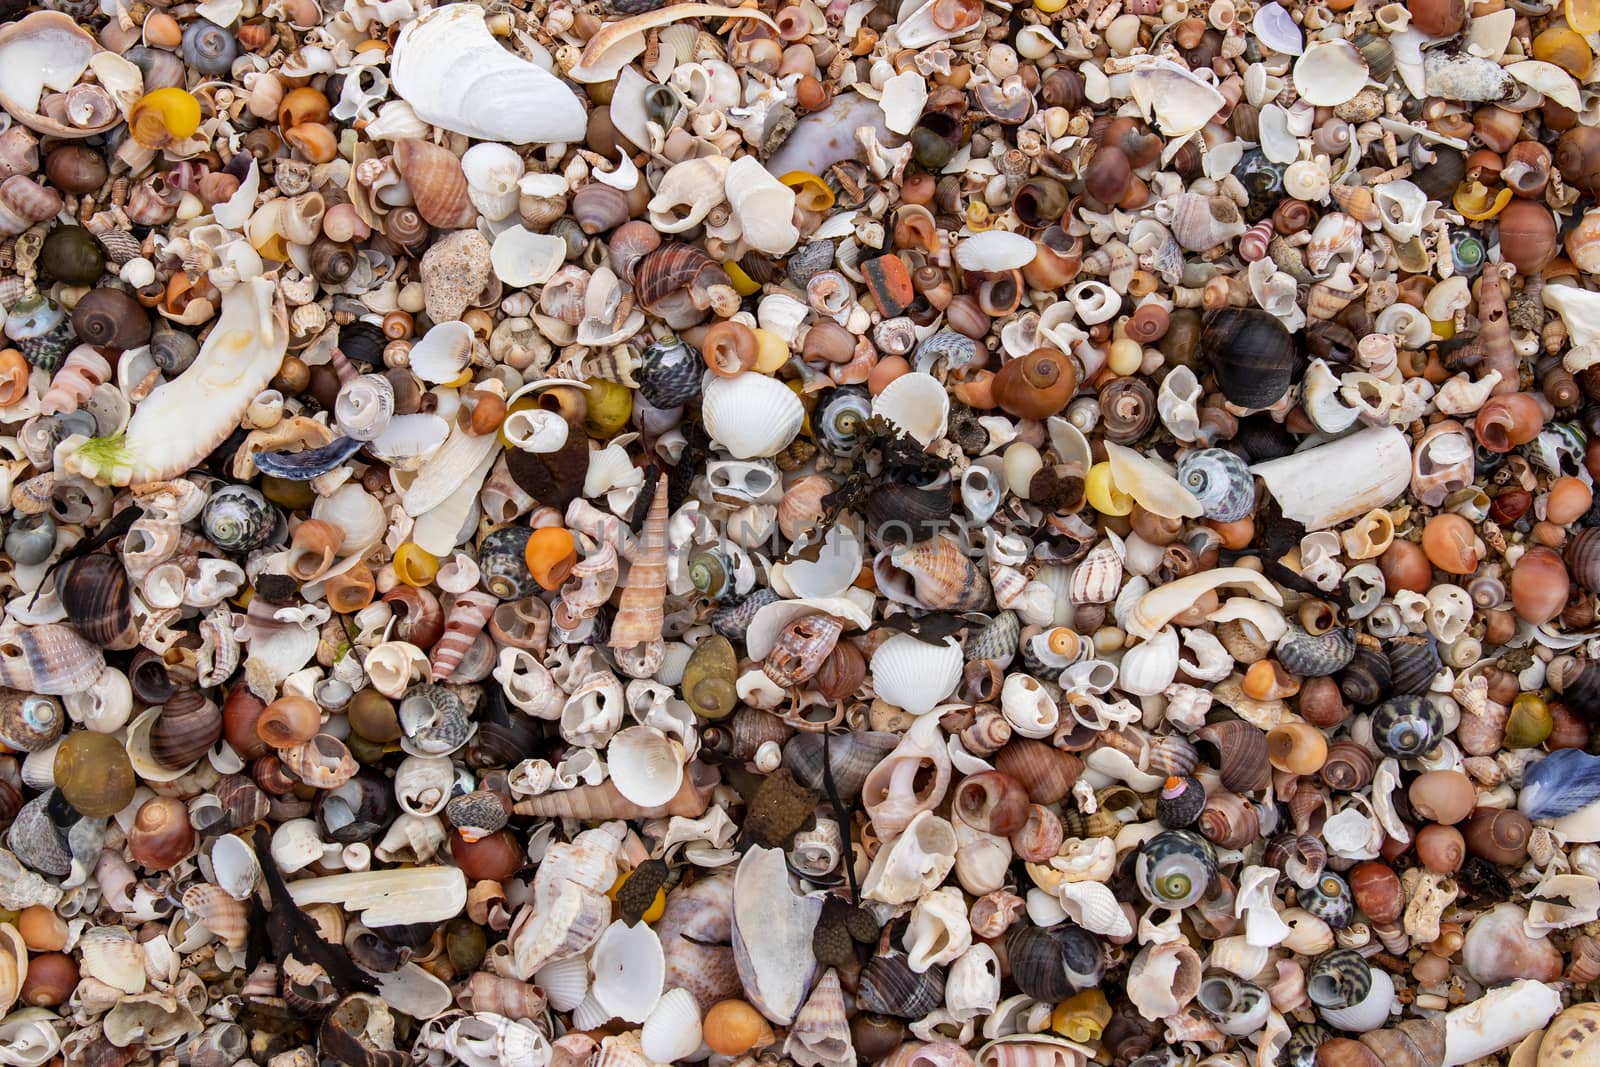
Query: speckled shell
x=1175, y=868
x=480, y=812
x=733, y=617
x=1315, y=655
x=1338, y=979
x=434, y=721
x=888, y=986
x=29, y=722
x=1220, y=481
x=995, y=640
x=840, y=417
x=1179, y=803
x=669, y=373
x=37, y=841
x=1413, y=662
x=503, y=562
x=1330, y=900
x=1406, y=726
x=238, y=518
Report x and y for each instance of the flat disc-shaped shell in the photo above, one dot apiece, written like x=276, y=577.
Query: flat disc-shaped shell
x=1330, y=73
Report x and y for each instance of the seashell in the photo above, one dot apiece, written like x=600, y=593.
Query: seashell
x=1047, y=773
x=1162, y=979
x=750, y=415
x=1221, y=482
x=1252, y=354
x=94, y=591
x=46, y=50
x=1330, y=73
x=646, y=765
x=629, y=968
x=934, y=574
x=888, y=986
x=1562, y=783
x=1199, y=222
x=1052, y=963
x=1240, y=753
x=908, y=781
x=50, y=659
x=442, y=353
x=772, y=931
x=849, y=758
x=672, y=1030
x=1311, y=656
x=914, y=675
x=1331, y=483
x=917, y=404
x=1406, y=726
x=1175, y=868
x=1174, y=98
x=455, y=75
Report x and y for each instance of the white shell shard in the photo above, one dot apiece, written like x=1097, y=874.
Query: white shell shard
x=1149, y=483
x=995, y=250
x=763, y=205
x=772, y=930
x=629, y=968
x=522, y=258
x=917, y=403
x=1579, y=310
x=1328, y=484
x=1275, y=28
x=1178, y=101
x=389, y=898
x=902, y=101
x=183, y=420
x=1548, y=79
x=454, y=74
x=1501, y=1017
x=1158, y=607
x=1330, y=73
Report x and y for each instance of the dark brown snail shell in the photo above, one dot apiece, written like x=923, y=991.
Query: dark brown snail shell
x=75, y=168
x=1583, y=558
x=1349, y=766
x=1578, y=158
x=1239, y=751
x=1251, y=354
x=189, y=724
x=94, y=591
x=111, y=318
x=1499, y=835
x=1528, y=235
x=332, y=262
x=888, y=986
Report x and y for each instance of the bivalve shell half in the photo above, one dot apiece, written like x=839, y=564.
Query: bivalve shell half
x=629, y=968
x=671, y=1033
x=918, y=404
x=914, y=675
x=750, y=414
x=1330, y=73
x=442, y=353
x=646, y=765
x=995, y=250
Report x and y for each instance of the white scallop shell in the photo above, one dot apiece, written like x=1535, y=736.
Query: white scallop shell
x=454, y=74
x=442, y=353
x=646, y=765
x=750, y=414
x=917, y=403
x=629, y=968
x=565, y=982
x=672, y=1032
x=1330, y=73
x=914, y=675
x=995, y=250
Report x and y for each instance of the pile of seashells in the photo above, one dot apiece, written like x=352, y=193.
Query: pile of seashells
x=937, y=533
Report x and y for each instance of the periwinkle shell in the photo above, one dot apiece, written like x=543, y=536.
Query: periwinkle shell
x=1221, y=482
x=1314, y=655
x=1338, y=979
x=669, y=373
x=238, y=518
x=503, y=561
x=1175, y=868
x=1329, y=899
x=1406, y=726
x=1252, y=355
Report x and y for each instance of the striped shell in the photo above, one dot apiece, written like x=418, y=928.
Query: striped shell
x=1406, y=726
x=1315, y=655
x=1338, y=979
x=1330, y=900
x=1413, y=661
x=49, y=659
x=995, y=640
x=1220, y=481
x=1175, y=868
x=1098, y=577
x=434, y=721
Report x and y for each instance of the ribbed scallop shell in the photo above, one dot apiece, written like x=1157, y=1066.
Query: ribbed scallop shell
x=1315, y=655
x=1220, y=481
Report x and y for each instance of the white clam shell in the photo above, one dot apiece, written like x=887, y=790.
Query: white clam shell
x=672, y=1032
x=646, y=765
x=917, y=403
x=442, y=353
x=451, y=70
x=772, y=931
x=629, y=968
x=522, y=258
x=903, y=98
x=1274, y=28
x=915, y=675
x=1330, y=73
x=234, y=866
x=750, y=414
x=995, y=250
x=1176, y=99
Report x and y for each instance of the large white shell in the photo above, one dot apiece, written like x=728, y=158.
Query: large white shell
x=646, y=765
x=772, y=930
x=1330, y=73
x=46, y=50
x=763, y=205
x=995, y=250
x=1328, y=484
x=1178, y=101
x=914, y=864
x=454, y=74
x=1499, y=1018
x=750, y=414
x=837, y=565
x=1151, y=484
x=917, y=403
x=914, y=675
x=629, y=968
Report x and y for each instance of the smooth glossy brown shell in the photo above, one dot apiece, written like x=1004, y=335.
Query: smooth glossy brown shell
x=189, y=724
x=94, y=591
x=1251, y=354
x=1047, y=773
x=1239, y=751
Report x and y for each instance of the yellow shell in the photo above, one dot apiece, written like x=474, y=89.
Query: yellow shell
x=1565, y=49
x=1473, y=201
x=1584, y=15
x=743, y=284
x=610, y=405
x=163, y=117
x=415, y=565
x=810, y=191
x=1102, y=493
x=1082, y=1017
